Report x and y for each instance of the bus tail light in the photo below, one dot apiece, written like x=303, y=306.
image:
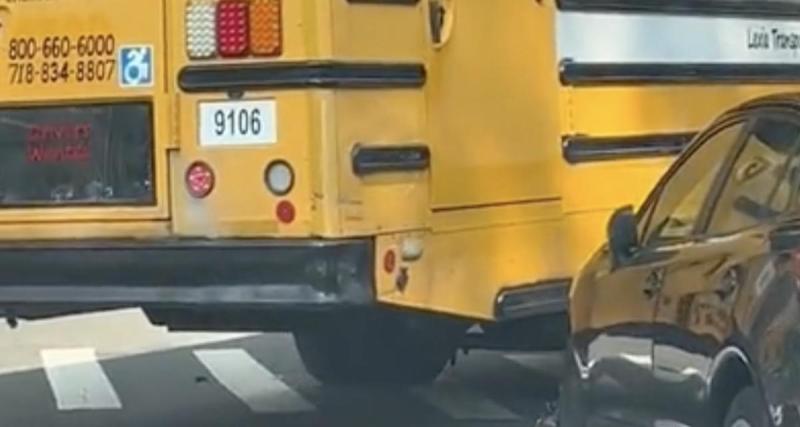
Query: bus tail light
x=265, y=27
x=201, y=30
x=200, y=180
x=233, y=28
x=389, y=261
x=233, y=38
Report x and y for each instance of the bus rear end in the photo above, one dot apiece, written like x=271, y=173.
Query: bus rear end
x=223, y=164
x=175, y=154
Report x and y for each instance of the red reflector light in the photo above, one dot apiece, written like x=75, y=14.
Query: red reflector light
x=200, y=180
x=233, y=28
x=389, y=261
x=285, y=212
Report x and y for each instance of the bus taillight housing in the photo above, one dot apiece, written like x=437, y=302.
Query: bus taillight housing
x=200, y=180
x=233, y=29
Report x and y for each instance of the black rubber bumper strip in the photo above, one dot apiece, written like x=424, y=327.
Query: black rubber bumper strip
x=300, y=75
x=581, y=149
x=749, y=8
x=575, y=73
x=536, y=299
x=370, y=160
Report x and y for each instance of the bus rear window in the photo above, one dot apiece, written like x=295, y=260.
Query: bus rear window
x=82, y=155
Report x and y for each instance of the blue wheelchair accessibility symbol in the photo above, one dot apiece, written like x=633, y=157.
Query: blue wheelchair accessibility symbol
x=136, y=66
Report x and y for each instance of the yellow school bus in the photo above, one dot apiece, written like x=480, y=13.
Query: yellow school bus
x=375, y=176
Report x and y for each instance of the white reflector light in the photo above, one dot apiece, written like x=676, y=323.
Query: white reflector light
x=280, y=178
x=201, y=35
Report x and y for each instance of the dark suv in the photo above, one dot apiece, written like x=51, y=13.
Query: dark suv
x=690, y=315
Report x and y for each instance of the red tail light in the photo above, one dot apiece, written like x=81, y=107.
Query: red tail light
x=389, y=261
x=233, y=28
x=200, y=180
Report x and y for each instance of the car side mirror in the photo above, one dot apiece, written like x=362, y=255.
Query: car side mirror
x=623, y=236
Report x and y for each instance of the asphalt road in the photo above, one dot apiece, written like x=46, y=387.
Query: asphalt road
x=114, y=370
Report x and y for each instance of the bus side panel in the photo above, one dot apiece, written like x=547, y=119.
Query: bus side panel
x=370, y=31
x=493, y=94
x=493, y=127
x=593, y=189
x=240, y=204
x=638, y=111
x=383, y=201
x=464, y=266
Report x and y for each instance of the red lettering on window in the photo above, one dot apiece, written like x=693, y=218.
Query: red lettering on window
x=59, y=143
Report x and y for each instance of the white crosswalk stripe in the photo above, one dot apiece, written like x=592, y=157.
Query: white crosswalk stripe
x=251, y=382
x=77, y=380
x=91, y=366
x=461, y=403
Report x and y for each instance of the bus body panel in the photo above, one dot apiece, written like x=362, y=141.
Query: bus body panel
x=647, y=110
x=492, y=93
x=375, y=32
x=478, y=198
x=73, y=55
x=381, y=202
x=241, y=204
x=473, y=256
x=476, y=201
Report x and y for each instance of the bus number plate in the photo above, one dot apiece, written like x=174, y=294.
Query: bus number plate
x=238, y=123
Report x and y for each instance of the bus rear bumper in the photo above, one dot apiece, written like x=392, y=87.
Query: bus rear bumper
x=81, y=276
